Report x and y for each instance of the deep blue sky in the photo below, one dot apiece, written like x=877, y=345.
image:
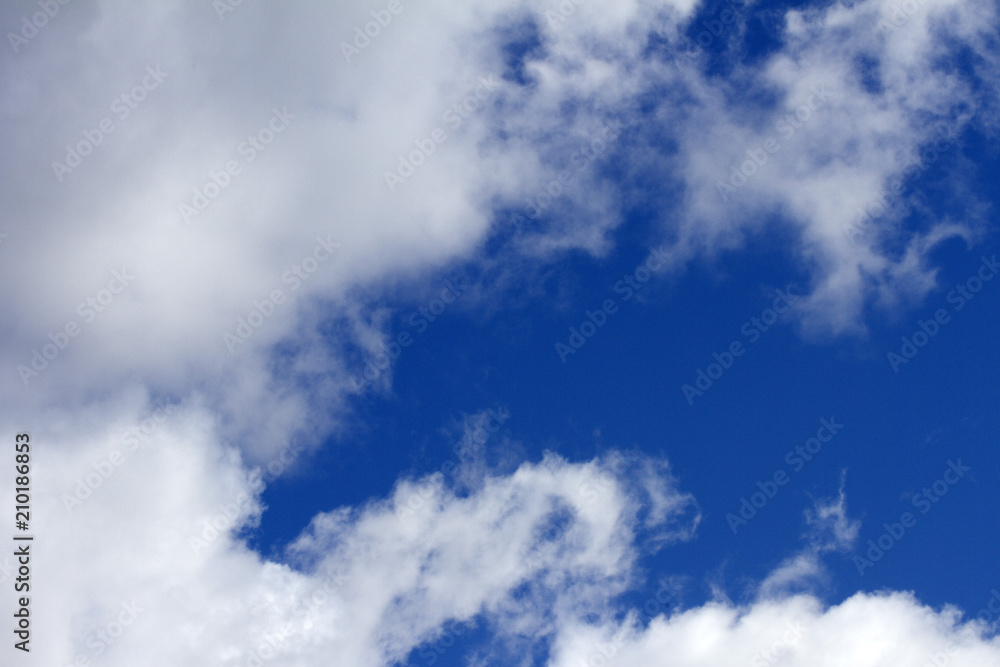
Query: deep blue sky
x=700, y=167
x=623, y=390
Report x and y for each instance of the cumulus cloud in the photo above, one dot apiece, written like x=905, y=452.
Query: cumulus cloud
x=866, y=629
x=829, y=529
x=540, y=554
x=270, y=190
x=194, y=202
x=157, y=526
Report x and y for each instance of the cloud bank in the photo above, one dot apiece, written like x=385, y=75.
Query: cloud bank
x=196, y=197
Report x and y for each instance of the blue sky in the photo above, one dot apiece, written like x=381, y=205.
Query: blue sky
x=525, y=334
x=622, y=389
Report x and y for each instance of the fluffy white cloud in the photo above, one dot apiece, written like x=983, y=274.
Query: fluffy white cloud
x=867, y=629
x=148, y=566
x=119, y=299
x=288, y=151
x=150, y=519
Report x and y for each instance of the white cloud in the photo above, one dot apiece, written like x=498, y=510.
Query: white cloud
x=132, y=540
x=344, y=125
x=540, y=554
x=891, y=629
x=156, y=531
